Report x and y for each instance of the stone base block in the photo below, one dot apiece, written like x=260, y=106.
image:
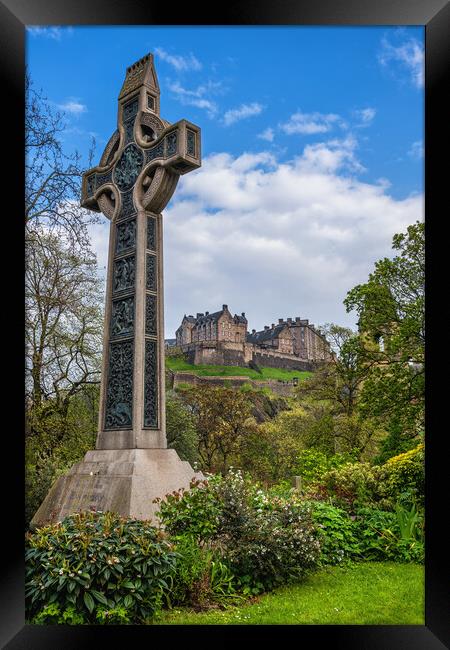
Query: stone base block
x=124, y=481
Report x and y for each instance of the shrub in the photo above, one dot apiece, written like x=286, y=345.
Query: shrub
x=405, y=474
x=201, y=580
x=390, y=536
x=52, y=614
x=264, y=540
x=339, y=541
x=191, y=512
x=313, y=463
x=353, y=485
x=99, y=562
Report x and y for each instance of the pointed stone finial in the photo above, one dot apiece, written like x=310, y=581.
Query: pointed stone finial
x=141, y=76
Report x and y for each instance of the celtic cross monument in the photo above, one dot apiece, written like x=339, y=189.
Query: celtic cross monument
x=136, y=177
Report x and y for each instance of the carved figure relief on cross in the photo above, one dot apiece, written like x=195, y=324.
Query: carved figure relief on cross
x=136, y=177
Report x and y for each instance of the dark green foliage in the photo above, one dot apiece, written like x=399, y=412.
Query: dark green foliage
x=339, y=540
x=390, y=536
x=391, y=309
x=98, y=561
x=201, y=579
x=194, y=512
x=55, y=441
x=180, y=430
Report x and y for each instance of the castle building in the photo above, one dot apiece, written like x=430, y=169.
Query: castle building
x=221, y=338
x=218, y=326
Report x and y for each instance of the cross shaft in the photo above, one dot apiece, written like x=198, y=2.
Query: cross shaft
x=136, y=177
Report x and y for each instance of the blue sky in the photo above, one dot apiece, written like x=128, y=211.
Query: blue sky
x=312, y=144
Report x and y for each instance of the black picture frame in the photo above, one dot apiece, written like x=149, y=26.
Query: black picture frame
x=434, y=15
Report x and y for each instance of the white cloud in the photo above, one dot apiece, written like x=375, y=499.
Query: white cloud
x=180, y=63
x=409, y=55
x=310, y=123
x=241, y=113
x=277, y=239
x=416, y=150
x=73, y=106
x=199, y=97
x=365, y=116
x=268, y=135
x=54, y=33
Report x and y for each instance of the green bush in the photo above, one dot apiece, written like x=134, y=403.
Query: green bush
x=353, y=485
x=201, y=580
x=191, y=512
x=385, y=535
x=339, y=541
x=405, y=475
x=313, y=463
x=52, y=614
x=99, y=562
x=264, y=540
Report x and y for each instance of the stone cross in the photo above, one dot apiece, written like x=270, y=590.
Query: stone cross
x=137, y=175
x=138, y=172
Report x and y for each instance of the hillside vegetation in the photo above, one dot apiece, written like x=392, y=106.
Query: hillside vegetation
x=203, y=370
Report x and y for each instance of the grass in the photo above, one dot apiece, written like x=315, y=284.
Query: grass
x=369, y=593
x=203, y=370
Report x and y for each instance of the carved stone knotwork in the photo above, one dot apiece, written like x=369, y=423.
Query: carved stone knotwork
x=151, y=385
x=119, y=393
x=128, y=167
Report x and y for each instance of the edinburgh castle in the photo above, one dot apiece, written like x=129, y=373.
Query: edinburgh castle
x=219, y=338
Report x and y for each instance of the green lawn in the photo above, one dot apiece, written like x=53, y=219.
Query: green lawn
x=203, y=370
x=370, y=593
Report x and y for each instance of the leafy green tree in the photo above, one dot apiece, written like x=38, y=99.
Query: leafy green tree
x=391, y=313
x=222, y=419
x=338, y=382
x=180, y=429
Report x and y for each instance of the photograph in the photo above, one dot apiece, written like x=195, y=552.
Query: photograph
x=260, y=462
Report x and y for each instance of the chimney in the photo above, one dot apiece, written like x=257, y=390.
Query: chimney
x=289, y=320
x=224, y=307
x=272, y=326
x=253, y=331
x=297, y=319
x=266, y=327
x=280, y=320
x=206, y=313
x=199, y=315
x=243, y=314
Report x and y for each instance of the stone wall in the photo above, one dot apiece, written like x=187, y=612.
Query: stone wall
x=238, y=354
x=271, y=359
x=281, y=388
